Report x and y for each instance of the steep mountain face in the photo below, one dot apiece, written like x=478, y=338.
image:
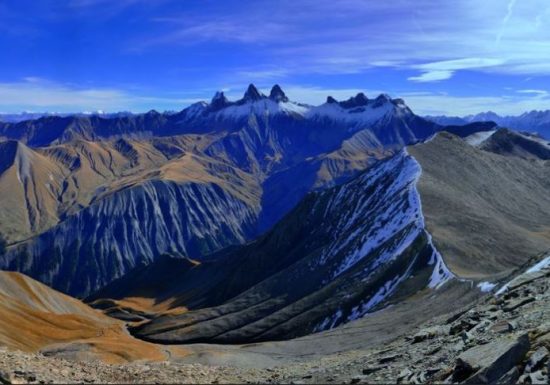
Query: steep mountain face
x=294, y=148
x=348, y=251
x=351, y=248
x=294, y=121
x=29, y=185
x=273, y=133
x=506, y=142
x=41, y=186
x=192, y=206
x=486, y=212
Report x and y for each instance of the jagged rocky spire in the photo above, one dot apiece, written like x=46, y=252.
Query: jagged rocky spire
x=381, y=100
x=331, y=100
x=277, y=94
x=219, y=101
x=355, y=101
x=252, y=93
x=361, y=98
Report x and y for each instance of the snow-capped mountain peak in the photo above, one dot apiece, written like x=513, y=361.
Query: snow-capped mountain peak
x=277, y=94
x=357, y=110
x=219, y=101
x=355, y=101
x=252, y=94
x=197, y=108
x=256, y=102
x=381, y=100
x=361, y=100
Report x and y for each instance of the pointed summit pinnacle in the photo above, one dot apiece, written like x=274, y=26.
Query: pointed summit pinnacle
x=252, y=93
x=219, y=101
x=355, y=101
x=381, y=100
x=277, y=94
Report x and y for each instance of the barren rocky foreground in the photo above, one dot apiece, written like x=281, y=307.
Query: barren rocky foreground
x=501, y=338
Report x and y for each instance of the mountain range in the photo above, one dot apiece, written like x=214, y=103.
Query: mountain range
x=354, y=248
x=262, y=229
x=536, y=122
x=28, y=115
x=212, y=175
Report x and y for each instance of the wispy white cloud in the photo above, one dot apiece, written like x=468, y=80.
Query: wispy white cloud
x=441, y=104
x=509, y=11
x=443, y=70
x=533, y=92
x=351, y=36
x=262, y=75
x=432, y=76
x=32, y=93
x=536, y=94
x=221, y=30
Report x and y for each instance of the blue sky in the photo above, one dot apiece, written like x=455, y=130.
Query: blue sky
x=443, y=57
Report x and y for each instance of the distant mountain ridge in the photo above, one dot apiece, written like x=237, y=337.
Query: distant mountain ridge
x=218, y=115
x=22, y=116
x=532, y=121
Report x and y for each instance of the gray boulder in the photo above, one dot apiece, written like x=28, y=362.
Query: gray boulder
x=537, y=360
x=488, y=363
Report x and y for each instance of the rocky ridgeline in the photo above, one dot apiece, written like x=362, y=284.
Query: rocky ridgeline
x=504, y=338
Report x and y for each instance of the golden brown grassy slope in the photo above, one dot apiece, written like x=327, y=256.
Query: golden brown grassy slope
x=29, y=185
x=40, y=185
x=34, y=317
x=487, y=213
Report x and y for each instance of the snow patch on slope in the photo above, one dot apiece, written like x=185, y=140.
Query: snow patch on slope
x=263, y=107
x=397, y=216
x=441, y=273
x=486, y=287
x=384, y=292
x=479, y=137
x=541, y=265
x=544, y=264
